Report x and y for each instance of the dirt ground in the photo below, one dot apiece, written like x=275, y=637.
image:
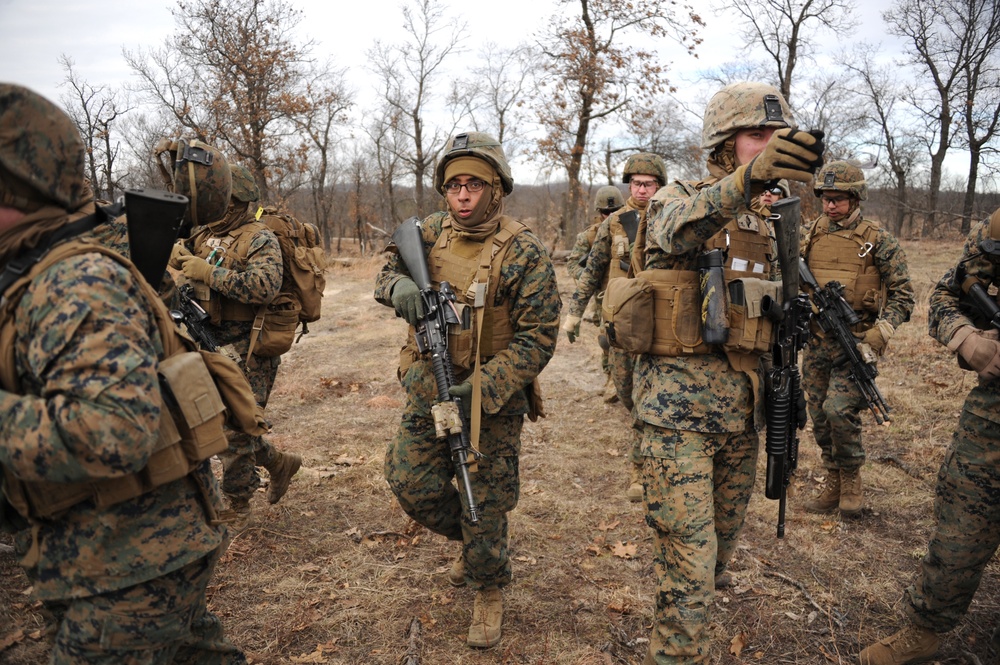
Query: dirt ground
x=337, y=574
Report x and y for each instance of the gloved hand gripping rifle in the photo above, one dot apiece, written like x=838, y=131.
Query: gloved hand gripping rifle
x=432, y=338
x=835, y=318
x=783, y=398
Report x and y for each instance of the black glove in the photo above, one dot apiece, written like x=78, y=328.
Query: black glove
x=406, y=300
x=464, y=392
x=790, y=153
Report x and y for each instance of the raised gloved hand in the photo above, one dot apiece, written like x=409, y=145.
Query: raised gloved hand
x=464, y=392
x=572, y=327
x=406, y=300
x=176, y=252
x=791, y=154
x=979, y=349
x=877, y=337
x=195, y=268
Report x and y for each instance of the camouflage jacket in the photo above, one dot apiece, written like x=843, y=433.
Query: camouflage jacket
x=576, y=260
x=86, y=355
x=950, y=310
x=595, y=273
x=700, y=393
x=254, y=279
x=528, y=283
x=890, y=260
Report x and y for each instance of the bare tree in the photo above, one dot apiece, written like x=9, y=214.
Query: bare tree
x=980, y=87
x=592, y=72
x=96, y=110
x=408, y=72
x=785, y=30
x=879, y=92
x=231, y=74
x=387, y=145
x=938, y=48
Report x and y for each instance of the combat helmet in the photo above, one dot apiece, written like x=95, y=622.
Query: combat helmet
x=645, y=163
x=841, y=177
x=244, y=186
x=199, y=172
x=743, y=105
x=475, y=144
x=608, y=199
x=41, y=153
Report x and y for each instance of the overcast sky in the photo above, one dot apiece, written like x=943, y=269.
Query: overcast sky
x=93, y=33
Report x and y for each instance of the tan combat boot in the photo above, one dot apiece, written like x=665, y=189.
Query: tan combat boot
x=829, y=496
x=238, y=515
x=634, y=491
x=456, y=576
x=910, y=645
x=282, y=470
x=487, y=615
x=851, y=498
x=610, y=391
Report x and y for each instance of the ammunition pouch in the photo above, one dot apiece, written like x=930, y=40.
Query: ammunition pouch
x=273, y=331
x=750, y=327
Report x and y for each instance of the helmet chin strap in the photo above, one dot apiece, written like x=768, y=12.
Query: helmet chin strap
x=194, y=194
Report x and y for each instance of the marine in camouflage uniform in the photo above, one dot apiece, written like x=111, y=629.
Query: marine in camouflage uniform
x=842, y=245
x=240, y=282
x=701, y=408
x=606, y=201
x=967, y=502
x=130, y=577
x=418, y=466
x=613, y=255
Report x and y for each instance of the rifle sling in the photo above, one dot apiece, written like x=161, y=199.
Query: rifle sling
x=21, y=264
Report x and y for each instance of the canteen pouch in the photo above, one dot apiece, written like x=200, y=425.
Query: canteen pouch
x=627, y=310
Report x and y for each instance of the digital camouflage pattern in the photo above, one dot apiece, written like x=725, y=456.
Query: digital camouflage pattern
x=967, y=502
x=700, y=526
x=645, y=163
x=41, y=153
x=576, y=260
x=700, y=435
x=418, y=466
x=244, y=186
x=834, y=400
x=742, y=106
x=254, y=280
x=841, y=177
x=475, y=144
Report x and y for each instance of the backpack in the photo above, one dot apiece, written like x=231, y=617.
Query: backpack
x=303, y=262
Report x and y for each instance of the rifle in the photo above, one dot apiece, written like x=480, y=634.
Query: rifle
x=432, y=338
x=193, y=316
x=782, y=382
x=984, y=303
x=836, y=318
x=154, y=220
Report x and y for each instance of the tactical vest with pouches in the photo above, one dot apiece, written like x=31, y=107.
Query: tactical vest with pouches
x=229, y=251
x=192, y=412
x=847, y=256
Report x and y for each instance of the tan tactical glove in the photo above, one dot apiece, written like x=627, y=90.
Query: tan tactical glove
x=571, y=326
x=877, y=337
x=196, y=269
x=176, y=252
x=979, y=349
x=790, y=154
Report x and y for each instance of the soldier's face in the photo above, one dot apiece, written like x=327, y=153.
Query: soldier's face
x=642, y=187
x=751, y=142
x=463, y=202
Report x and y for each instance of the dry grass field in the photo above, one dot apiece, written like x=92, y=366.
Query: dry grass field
x=337, y=574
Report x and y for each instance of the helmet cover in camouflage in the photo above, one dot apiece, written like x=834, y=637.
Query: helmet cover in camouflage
x=475, y=144
x=201, y=173
x=645, y=163
x=42, y=156
x=608, y=199
x=841, y=177
x=244, y=186
x=743, y=106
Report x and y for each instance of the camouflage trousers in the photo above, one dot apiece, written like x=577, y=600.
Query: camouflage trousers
x=697, y=487
x=967, y=529
x=620, y=366
x=240, y=478
x=419, y=471
x=834, y=404
x=164, y=620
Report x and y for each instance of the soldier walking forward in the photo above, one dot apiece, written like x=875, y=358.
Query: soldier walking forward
x=701, y=403
x=517, y=309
